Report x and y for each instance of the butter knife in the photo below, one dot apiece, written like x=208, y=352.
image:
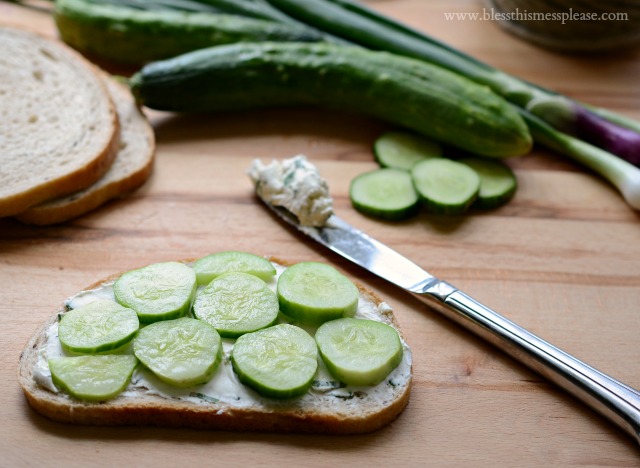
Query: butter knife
x=613, y=399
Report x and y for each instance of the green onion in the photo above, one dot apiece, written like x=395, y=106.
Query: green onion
x=620, y=173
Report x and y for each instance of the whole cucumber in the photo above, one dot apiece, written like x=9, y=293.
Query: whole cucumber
x=127, y=35
x=193, y=6
x=400, y=90
x=259, y=9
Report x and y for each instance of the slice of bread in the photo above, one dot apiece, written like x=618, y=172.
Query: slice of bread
x=58, y=125
x=328, y=407
x=131, y=168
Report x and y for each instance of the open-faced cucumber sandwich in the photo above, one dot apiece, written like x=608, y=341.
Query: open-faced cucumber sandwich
x=231, y=341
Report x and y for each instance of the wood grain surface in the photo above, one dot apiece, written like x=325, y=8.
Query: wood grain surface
x=562, y=259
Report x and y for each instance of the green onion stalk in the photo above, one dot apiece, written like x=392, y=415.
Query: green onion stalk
x=620, y=173
x=357, y=23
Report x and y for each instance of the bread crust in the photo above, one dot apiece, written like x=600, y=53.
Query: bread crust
x=333, y=416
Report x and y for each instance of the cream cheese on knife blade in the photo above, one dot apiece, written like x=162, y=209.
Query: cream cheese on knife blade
x=294, y=184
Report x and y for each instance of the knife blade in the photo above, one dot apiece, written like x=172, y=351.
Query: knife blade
x=611, y=398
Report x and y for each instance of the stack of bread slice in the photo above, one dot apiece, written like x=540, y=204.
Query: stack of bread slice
x=71, y=137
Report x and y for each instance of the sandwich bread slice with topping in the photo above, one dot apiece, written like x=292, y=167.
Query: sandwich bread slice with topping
x=231, y=341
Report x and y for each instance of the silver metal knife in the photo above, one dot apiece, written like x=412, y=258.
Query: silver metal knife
x=616, y=401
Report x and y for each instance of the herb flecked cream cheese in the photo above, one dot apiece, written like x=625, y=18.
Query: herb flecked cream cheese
x=294, y=184
x=225, y=386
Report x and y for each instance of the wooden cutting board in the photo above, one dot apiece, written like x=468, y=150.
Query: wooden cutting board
x=562, y=259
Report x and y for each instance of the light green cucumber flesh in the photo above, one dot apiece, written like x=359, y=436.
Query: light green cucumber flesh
x=182, y=352
x=236, y=303
x=406, y=92
x=186, y=352
x=161, y=291
x=445, y=186
x=359, y=352
x=96, y=327
x=384, y=193
x=93, y=378
x=277, y=362
x=402, y=150
x=498, y=182
x=313, y=293
x=214, y=265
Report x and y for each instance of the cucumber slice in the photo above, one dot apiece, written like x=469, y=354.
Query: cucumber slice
x=93, y=378
x=313, y=293
x=212, y=266
x=358, y=351
x=99, y=326
x=236, y=303
x=445, y=186
x=277, y=362
x=161, y=291
x=498, y=183
x=384, y=193
x=182, y=352
x=402, y=150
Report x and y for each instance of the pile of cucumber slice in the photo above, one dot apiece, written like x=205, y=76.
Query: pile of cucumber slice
x=414, y=172
x=161, y=319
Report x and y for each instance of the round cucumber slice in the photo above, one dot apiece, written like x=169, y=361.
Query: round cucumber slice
x=402, y=150
x=212, y=266
x=99, y=326
x=93, y=378
x=498, y=183
x=384, y=193
x=358, y=351
x=182, y=352
x=445, y=186
x=277, y=362
x=161, y=291
x=236, y=303
x=313, y=293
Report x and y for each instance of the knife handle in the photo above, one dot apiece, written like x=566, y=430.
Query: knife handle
x=614, y=400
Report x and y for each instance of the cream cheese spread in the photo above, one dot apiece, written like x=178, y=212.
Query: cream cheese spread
x=294, y=184
x=225, y=386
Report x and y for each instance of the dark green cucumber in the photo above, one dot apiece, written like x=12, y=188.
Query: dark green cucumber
x=400, y=90
x=133, y=36
x=259, y=9
x=193, y=6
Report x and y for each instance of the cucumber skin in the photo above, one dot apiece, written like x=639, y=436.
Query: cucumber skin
x=129, y=36
x=173, y=5
x=484, y=202
x=400, y=90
